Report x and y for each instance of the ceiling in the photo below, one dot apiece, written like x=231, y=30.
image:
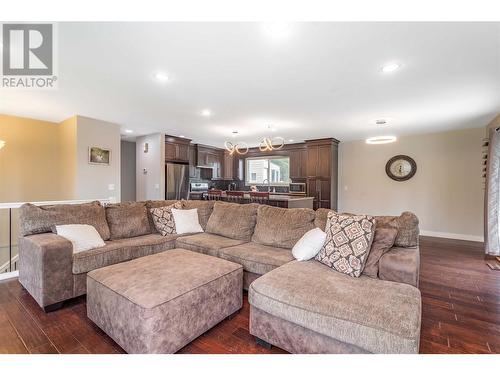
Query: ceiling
x=317, y=80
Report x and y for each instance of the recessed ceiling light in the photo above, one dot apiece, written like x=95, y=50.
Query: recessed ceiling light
x=290, y=140
x=390, y=67
x=161, y=77
x=277, y=29
x=234, y=133
x=380, y=140
x=128, y=131
x=206, y=113
x=182, y=136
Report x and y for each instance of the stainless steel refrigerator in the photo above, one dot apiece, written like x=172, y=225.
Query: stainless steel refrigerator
x=176, y=181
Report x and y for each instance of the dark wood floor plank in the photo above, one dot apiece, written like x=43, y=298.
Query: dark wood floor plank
x=460, y=313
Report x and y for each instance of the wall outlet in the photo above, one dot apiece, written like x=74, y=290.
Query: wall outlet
x=111, y=187
x=157, y=186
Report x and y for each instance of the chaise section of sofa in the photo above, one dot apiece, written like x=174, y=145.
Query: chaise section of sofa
x=305, y=307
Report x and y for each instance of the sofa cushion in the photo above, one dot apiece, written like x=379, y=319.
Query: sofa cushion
x=127, y=219
x=233, y=220
x=382, y=243
x=321, y=217
x=256, y=258
x=206, y=243
x=282, y=227
x=122, y=250
x=372, y=314
x=41, y=219
x=204, y=210
x=407, y=226
x=156, y=204
x=401, y=265
x=348, y=242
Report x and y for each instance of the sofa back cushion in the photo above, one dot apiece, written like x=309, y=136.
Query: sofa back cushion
x=157, y=204
x=42, y=219
x=205, y=209
x=127, y=219
x=282, y=227
x=233, y=220
x=407, y=226
x=321, y=218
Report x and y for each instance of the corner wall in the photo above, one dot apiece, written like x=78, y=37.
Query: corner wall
x=150, y=185
x=446, y=193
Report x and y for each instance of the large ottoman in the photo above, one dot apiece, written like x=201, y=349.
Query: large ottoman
x=160, y=303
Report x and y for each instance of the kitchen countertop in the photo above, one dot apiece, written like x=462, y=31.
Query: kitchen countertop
x=281, y=197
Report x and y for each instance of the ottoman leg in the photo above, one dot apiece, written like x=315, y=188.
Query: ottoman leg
x=263, y=343
x=53, y=307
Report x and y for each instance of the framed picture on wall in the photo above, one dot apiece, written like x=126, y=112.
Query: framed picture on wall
x=99, y=156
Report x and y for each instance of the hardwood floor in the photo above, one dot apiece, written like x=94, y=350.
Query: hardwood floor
x=460, y=313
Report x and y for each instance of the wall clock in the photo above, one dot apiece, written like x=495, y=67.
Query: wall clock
x=401, y=168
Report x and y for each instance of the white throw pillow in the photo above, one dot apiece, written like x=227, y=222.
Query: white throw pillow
x=186, y=221
x=83, y=237
x=309, y=245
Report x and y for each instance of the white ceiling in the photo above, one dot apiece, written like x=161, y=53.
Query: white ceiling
x=320, y=80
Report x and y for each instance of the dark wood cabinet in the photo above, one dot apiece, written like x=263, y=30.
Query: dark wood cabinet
x=298, y=164
x=322, y=172
x=211, y=157
x=192, y=161
x=177, y=149
x=228, y=167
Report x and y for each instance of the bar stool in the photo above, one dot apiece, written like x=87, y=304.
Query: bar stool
x=214, y=195
x=235, y=196
x=261, y=197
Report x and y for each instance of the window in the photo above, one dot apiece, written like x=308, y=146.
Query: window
x=264, y=171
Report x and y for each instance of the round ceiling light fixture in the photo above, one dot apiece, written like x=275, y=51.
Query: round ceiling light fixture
x=2, y=144
x=206, y=113
x=161, y=77
x=380, y=140
x=390, y=67
x=240, y=148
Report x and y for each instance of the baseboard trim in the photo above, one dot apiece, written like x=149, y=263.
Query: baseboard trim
x=9, y=275
x=454, y=236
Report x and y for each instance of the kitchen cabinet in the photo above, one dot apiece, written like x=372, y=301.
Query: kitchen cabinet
x=322, y=172
x=177, y=149
x=192, y=161
x=228, y=167
x=298, y=164
x=211, y=157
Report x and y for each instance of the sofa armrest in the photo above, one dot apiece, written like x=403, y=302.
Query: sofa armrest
x=45, y=267
x=401, y=265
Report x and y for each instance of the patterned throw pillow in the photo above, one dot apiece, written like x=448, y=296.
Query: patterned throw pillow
x=348, y=242
x=163, y=218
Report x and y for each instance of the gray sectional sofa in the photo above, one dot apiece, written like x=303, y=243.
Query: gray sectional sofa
x=302, y=307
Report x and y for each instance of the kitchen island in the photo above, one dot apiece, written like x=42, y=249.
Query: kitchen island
x=278, y=200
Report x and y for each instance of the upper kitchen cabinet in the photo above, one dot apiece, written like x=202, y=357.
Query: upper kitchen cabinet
x=322, y=172
x=211, y=157
x=298, y=164
x=177, y=149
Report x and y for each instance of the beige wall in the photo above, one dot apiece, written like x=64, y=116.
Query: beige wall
x=446, y=193
x=150, y=185
x=97, y=181
x=31, y=163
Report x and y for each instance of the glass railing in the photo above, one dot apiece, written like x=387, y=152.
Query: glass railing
x=9, y=232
